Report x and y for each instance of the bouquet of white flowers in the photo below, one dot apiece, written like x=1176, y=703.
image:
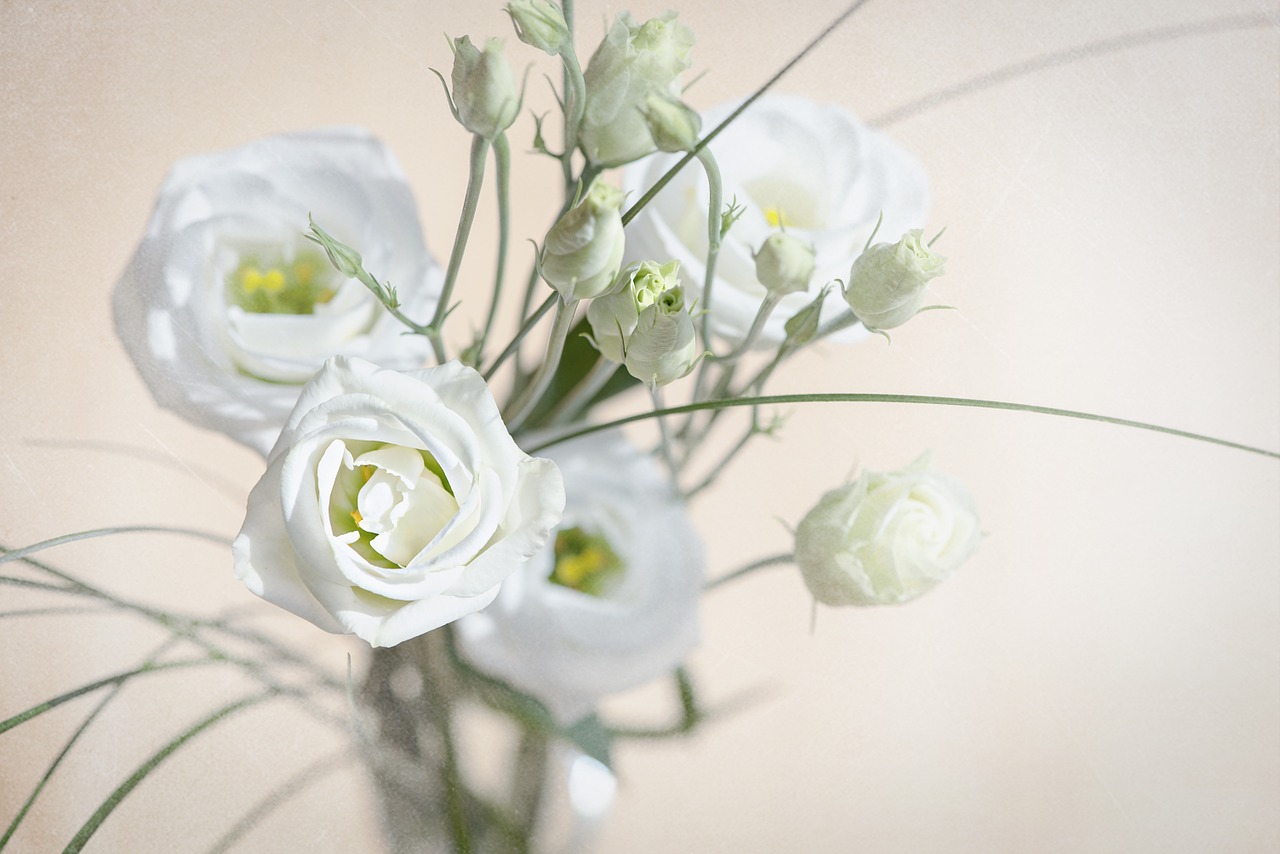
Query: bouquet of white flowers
x=501, y=513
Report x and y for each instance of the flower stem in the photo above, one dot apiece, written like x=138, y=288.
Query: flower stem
x=918, y=399
x=762, y=316
x=528, y=400
x=714, y=203
x=774, y=560
x=668, y=454
x=435, y=331
x=514, y=346
x=581, y=394
x=576, y=92
x=502, y=177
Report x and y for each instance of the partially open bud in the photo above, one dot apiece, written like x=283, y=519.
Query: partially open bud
x=613, y=316
x=673, y=126
x=785, y=264
x=539, y=23
x=887, y=537
x=887, y=282
x=663, y=347
x=583, y=250
x=632, y=61
x=484, y=89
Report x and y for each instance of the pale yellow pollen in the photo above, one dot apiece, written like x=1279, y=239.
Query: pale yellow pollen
x=775, y=217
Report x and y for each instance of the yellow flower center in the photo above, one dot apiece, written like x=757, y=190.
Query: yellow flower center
x=584, y=562
x=288, y=287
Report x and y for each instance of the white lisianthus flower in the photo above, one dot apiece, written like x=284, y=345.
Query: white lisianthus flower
x=226, y=310
x=811, y=168
x=887, y=283
x=583, y=250
x=633, y=61
x=393, y=503
x=612, y=602
x=887, y=537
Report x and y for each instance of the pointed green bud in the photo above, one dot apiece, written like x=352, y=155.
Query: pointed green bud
x=583, y=250
x=539, y=23
x=785, y=264
x=802, y=326
x=484, y=89
x=887, y=282
x=673, y=126
x=613, y=316
x=344, y=259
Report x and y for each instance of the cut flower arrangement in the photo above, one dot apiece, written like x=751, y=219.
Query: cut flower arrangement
x=469, y=504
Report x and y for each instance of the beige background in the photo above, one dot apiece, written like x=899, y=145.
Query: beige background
x=1103, y=676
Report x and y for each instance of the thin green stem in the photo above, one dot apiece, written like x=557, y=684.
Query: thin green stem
x=919, y=399
x=763, y=563
x=502, y=177
x=528, y=400
x=664, y=441
x=768, y=84
x=767, y=305
x=122, y=791
x=435, y=331
x=514, y=346
x=581, y=395
x=714, y=224
x=19, y=554
x=576, y=93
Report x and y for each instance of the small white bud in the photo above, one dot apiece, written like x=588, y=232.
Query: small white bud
x=673, y=126
x=613, y=316
x=539, y=23
x=484, y=89
x=583, y=250
x=663, y=347
x=785, y=264
x=887, y=282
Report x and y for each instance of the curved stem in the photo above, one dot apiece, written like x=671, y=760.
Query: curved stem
x=773, y=560
x=576, y=92
x=581, y=395
x=514, y=346
x=714, y=224
x=767, y=306
x=479, y=149
x=502, y=177
x=560, y=328
x=929, y=400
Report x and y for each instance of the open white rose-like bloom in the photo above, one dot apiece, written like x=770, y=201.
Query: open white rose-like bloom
x=887, y=537
x=393, y=502
x=612, y=602
x=227, y=310
x=812, y=168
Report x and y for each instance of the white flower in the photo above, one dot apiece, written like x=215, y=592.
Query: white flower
x=393, y=503
x=813, y=168
x=616, y=606
x=887, y=283
x=887, y=537
x=583, y=250
x=226, y=310
x=633, y=61
x=484, y=89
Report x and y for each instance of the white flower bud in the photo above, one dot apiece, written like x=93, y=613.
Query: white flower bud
x=613, y=316
x=632, y=61
x=673, y=126
x=887, y=537
x=785, y=264
x=484, y=89
x=539, y=23
x=583, y=250
x=887, y=282
x=663, y=347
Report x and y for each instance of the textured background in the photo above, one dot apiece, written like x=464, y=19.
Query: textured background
x=1103, y=676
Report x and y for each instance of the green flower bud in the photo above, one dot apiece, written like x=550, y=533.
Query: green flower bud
x=632, y=62
x=785, y=264
x=887, y=282
x=663, y=347
x=613, y=316
x=344, y=259
x=802, y=326
x=583, y=250
x=484, y=89
x=673, y=126
x=539, y=23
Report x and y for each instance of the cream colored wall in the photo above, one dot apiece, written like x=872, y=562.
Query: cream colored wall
x=1103, y=676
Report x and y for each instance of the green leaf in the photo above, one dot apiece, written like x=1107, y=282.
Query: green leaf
x=40, y=708
x=930, y=400
x=122, y=791
x=593, y=738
